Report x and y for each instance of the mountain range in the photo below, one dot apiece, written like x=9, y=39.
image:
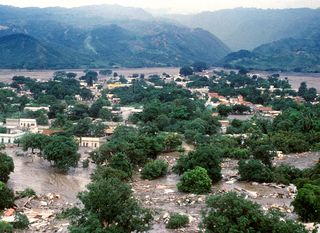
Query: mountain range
x=248, y=28
x=113, y=35
x=99, y=36
x=277, y=40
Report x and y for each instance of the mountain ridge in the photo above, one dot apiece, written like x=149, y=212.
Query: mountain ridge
x=126, y=41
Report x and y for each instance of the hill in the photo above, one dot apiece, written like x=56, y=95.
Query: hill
x=92, y=37
x=24, y=51
x=299, y=55
x=248, y=28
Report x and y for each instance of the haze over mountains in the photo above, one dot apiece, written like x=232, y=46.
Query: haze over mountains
x=101, y=36
x=112, y=35
x=285, y=40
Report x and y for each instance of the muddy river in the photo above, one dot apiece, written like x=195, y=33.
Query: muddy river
x=161, y=195
x=41, y=177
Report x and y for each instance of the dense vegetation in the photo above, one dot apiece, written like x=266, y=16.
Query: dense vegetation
x=230, y=212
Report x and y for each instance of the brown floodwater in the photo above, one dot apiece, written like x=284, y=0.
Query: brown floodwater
x=41, y=177
x=161, y=195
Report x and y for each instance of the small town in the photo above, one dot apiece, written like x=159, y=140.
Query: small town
x=151, y=116
x=76, y=124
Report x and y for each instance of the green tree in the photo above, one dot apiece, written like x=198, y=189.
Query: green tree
x=154, y=169
x=186, y=71
x=265, y=153
x=240, y=109
x=79, y=111
x=307, y=203
x=254, y=170
x=199, y=66
x=195, y=181
x=6, y=197
x=303, y=89
x=311, y=94
x=112, y=207
x=207, y=157
x=63, y=151
x=224, y=110
x=230, y=212
x=172, y=141
x=107, y=172
x=121, y=162
x=97, y=106
x=34, y=141
x=105, y=114
x=6, y=227
x=6, y=167
x=86, y=94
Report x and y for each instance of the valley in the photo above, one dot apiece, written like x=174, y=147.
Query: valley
x=161, y=117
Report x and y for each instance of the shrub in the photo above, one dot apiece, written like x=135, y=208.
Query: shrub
x=121, y=162
x=207, y=157
x=85, y=163
x=106, y=172
x=28, y=192
x=177, y=221
x=6, y=196
x=307, y=203
x=285, y=174
x=6, y=167
x=230, y=212
x=254, y=170
x=154, y=169
x=238, y=153
x=21, y=221
x=195, y=181
x=265, y=153
x=6, y=227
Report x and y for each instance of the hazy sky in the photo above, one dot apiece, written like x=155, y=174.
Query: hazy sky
x=181, y=6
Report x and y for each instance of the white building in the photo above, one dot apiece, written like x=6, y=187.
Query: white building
x=91, y=142
x=9, y=138
x=34, y=109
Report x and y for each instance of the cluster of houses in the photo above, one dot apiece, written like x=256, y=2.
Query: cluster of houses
x=215, y=100
x=16, y=128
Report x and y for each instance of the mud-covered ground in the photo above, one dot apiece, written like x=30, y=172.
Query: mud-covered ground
x=57, y=191
x=163, y=196
x=6, y=75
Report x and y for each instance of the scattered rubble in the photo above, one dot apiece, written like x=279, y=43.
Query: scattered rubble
x=41, y=212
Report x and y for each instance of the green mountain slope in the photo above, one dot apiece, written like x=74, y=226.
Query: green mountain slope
x=170, y=45
x=300, y=55
x=130, y=37
x=23, y=51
